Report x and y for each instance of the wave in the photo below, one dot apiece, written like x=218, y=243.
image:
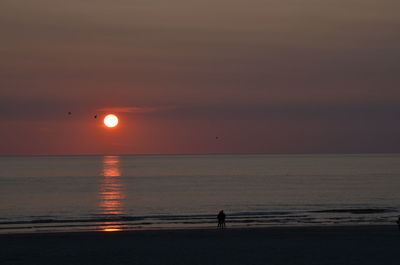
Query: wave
x=257, y=218
x=358, y=211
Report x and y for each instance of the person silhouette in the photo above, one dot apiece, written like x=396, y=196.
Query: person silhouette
x=221, y=219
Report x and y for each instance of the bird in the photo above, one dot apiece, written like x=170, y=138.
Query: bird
x=69, y=112
x=217, y=137
x=95, y=116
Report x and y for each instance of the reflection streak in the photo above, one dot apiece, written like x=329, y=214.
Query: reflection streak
x=111, y=192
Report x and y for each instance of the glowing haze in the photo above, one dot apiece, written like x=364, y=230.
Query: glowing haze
x=199, y=76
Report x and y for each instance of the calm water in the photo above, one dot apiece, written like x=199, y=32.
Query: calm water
x=145, y=192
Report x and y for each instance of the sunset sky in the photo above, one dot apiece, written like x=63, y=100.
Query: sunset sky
x=273, y=76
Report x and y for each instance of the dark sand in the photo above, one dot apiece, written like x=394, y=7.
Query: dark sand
x=282, y=245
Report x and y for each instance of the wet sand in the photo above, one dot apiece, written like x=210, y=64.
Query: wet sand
x=275, y=245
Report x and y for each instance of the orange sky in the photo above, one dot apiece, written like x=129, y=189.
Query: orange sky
x=264, y=76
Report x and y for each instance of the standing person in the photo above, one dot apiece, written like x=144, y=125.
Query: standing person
x=221, y=219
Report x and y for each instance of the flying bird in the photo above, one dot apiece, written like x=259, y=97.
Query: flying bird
x=95, y=116
x=69, y=112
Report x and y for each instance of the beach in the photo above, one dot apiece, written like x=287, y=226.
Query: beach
x=365, y=244
x=162, y=209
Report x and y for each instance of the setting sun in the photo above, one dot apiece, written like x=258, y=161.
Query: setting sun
x=111, y=120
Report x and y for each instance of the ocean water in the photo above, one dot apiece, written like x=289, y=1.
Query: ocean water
x=111, y=193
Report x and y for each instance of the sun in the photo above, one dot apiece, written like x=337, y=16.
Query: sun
x=111, y=120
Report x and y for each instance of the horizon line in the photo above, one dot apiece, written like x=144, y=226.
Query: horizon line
x=181, y=154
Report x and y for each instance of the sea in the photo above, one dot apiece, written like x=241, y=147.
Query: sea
x=143, y=192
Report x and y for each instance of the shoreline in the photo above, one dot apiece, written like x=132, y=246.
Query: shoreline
x=197, y=228
x=356, y=244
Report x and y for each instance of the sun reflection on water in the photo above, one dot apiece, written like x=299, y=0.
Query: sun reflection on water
x=111, y=193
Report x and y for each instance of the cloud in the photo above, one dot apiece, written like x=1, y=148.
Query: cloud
x=136, y=109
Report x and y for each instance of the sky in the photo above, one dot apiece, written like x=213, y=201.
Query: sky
x=264, y=76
